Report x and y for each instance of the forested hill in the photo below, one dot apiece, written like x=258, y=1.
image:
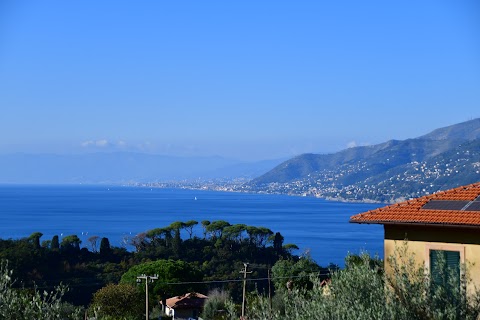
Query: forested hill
x=390, y=171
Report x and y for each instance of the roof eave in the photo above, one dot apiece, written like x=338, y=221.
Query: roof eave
x=448, y=225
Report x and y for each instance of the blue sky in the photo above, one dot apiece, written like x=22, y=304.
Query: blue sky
x=241, y=79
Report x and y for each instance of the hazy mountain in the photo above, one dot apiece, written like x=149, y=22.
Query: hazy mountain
x=336, y=175
x=119, y=167
x=247, y=170
x=465, y=131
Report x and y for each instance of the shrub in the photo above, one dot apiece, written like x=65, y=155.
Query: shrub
x=32, y=304
x=363, y=291
x=119, y=301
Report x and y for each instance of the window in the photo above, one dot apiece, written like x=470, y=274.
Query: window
x=445, y=270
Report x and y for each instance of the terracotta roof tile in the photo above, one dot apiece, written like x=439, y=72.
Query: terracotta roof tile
x=189, y=300
x=411, y=212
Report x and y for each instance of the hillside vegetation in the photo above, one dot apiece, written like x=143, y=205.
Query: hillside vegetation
x=174, y=252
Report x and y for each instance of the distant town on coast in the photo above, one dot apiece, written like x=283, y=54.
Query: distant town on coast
x=387, y=172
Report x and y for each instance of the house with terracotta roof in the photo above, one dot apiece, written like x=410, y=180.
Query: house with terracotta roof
x=446, y=223
x=188, y=306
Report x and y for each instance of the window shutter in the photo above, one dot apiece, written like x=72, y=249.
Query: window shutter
x=443, y=262
x=452, y=259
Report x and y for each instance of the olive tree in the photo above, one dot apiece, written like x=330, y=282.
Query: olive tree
x=118, y=301
x=17, y=303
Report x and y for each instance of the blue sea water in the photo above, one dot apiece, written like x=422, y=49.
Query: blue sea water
x=318, y=226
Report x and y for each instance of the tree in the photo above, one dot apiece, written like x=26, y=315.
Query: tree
x=139, y=242
x=93, y=242
x=71, y=243
x=219, y=305
x=32, y=304
x=158, y=234
x=234, y=232
x=189, y=227
x=177, y=225
x=35, y=238
x=154, y=234
x=168, y=271
x=259, y=235
x=105, y=249
x=177, y=244
x=55, y=245
x=216, y=228
x=119, y=301
x=278, y=243
x=205, y=224
x=290, y=247
x=297, y=273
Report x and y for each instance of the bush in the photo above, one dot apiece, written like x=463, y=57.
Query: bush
x=119, y=301
x=362, y=291
x=32, y=304
x=218, y=306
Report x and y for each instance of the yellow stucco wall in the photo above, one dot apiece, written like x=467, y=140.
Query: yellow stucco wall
x=422, y=239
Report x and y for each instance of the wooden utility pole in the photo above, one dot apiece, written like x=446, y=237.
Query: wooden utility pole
x=244, y=271
x=269, y=293
x=147, y=280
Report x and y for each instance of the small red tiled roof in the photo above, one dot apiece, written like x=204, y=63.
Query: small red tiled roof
x=412, y=211
x=189, y=300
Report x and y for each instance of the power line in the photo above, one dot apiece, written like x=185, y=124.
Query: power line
x=87, y=283
x=248, y=279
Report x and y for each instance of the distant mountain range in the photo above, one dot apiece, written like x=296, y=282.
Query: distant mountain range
x=122, y=167
x=387, y=172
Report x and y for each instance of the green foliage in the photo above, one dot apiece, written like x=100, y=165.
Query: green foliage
x=295, y=273
x=177, y=225
x=55, y=245
x=210, y=258
x=35, y=238
x=189, y=227
x=259, y=235
x=105, y=248
x=177, y=245
x=290, y=247
x=219, y=306
x=363, y=291
x=118, y=301
x=278, y=243
x=215, y=228
x=205, y=224
x=168, y=271
x=71, y=243
x=32, y=304
x=234, y=232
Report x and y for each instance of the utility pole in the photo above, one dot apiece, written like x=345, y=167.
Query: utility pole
x=269, y=294
x=244, y=271
x=147, y=280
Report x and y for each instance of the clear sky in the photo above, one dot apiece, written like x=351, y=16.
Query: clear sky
x=240, y=79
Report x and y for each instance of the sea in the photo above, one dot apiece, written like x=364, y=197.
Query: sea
x=320, y=228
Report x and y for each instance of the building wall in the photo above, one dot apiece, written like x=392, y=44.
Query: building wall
x=182, y=314
x=421, y=239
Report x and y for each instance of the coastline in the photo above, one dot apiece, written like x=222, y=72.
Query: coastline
x=241, y=189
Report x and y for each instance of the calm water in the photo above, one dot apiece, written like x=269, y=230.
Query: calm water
x=117, y=212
